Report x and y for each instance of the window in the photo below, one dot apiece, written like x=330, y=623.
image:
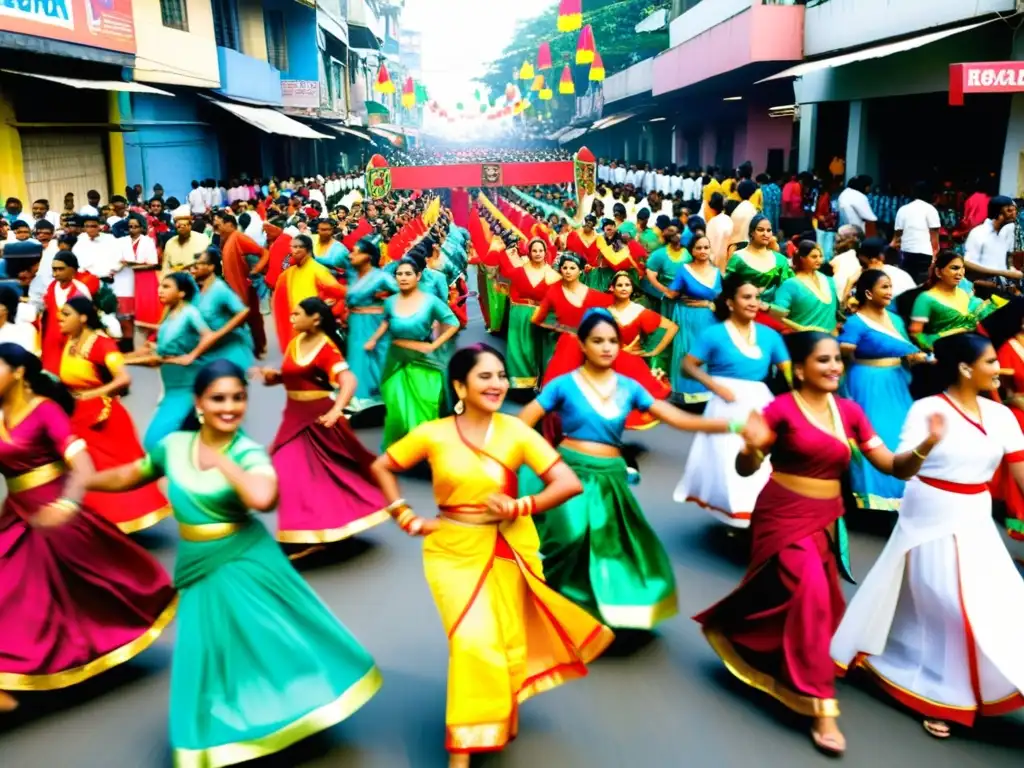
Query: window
x=174, y=14
x=277, y=42
x=225, y=24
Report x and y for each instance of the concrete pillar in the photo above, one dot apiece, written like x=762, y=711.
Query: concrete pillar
x=857, y=141
x=12, y=164
x=808, y=136
x=625, y=148
x=675, y=145
x=1011, y=178
x=115, y=144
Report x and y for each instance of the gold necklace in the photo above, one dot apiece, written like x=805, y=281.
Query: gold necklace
x=750, y=338
x=806, y=407
x=597, y=390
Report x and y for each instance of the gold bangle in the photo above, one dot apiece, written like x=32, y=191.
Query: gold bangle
x=66, y=504
x=405, y=518
x=921, y=456
x=395, y=506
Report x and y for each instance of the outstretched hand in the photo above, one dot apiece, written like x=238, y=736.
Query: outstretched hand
x=757, y=434
x=936, y=427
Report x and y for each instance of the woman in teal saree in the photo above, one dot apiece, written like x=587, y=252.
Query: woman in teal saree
x=259, y=663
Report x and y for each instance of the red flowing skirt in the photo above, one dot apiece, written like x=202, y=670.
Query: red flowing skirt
x=148, y=309
x=328, y=495
x=77, y=600
x=568, y=357
x=111, y=441
x=1005, y=488
x=774, y=630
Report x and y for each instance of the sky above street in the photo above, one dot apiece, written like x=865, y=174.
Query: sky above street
x=461, y=37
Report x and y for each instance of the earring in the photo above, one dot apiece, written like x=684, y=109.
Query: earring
x=460, y=407
x=200, y=416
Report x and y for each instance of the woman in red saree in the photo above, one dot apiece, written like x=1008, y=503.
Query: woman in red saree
x=774, y=630
x=510, y=636
x=67, y=283
x=583, y=241
x=77, y=596
x=93, y=369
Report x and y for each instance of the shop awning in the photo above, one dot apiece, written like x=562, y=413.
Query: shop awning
x=878, y=52
x=608, y=122
x=362, y=38
x=96, y=85
x=572, y=135
x=346, y=131
x=271, y=121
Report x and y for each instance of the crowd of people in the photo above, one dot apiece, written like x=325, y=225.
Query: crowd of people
x=461, y=156
x=819, y=398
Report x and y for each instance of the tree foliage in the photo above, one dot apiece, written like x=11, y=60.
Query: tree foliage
x=613, y=22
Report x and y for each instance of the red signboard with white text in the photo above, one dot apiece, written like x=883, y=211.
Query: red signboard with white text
x=984, y=77
x=103, y=24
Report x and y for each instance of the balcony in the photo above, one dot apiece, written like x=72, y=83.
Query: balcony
x=365, y=25
x=248, y=79
x=716, y=37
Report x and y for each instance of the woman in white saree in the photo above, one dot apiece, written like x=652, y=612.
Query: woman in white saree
x=938, y=620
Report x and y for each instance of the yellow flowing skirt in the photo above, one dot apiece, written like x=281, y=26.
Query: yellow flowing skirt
x=510, y=636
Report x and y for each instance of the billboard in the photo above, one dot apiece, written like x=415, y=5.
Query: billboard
x=984, y=77
x=103, y=24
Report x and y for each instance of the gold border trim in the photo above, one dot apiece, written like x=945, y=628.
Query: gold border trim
x=210, y=531
x=639, y=616
x=319, y=719
x=744, y=672
x=67, y=678
x=146, y=521
x=329, y=535
x=35, y=478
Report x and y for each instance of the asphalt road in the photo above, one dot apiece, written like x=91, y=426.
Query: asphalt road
x=660, y=703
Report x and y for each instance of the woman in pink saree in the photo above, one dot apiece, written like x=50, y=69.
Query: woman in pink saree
x=77, y=596
x=773, y=631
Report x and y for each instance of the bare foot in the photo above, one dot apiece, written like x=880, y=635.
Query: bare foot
x=936, y=728
x=458, y=761
x=827, y=736
x=7, y=702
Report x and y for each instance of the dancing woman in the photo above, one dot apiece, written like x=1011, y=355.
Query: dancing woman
x=77, y=596
x=328, y=496
x=529, y=346
x=67, y=284
x=944, y=308
x=629, y=586
x=695, y=287
x=368, y=287
x=773, y=630
x=879, y=352
x=1005, y=329
x=567, y=301
x=762, y=266
x=807, y=301
x=299, y=671
x=93, y=369
x=738, y=354
x=412, y=382
x=224, y=312
x=925, y=623
x=510, y=636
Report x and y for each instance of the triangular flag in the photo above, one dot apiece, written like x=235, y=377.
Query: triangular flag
x=409, y=94
x=585, y=46
x=570, y=15
x=538, y=83
x=544, y=57
x=526, y=71
x=566, y=85
x=383, y=84
x=597, y=68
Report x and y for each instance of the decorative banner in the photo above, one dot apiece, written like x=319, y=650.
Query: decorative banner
x=570, y=15
x=103, y=24
x=566, y=86
x=597, y=68
x=544, y=57
x=585, y=171
x=378, y=178
x=585, y=46
x=409, y=94
x=383, y=84
x=493, y=113
x=490, y=174
x=984, y=77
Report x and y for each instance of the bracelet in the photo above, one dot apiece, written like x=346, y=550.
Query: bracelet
x=66, y=504
x=526, y=506
x=921, y=456
x=737, y=425
x=405, y=518
x=395, y=506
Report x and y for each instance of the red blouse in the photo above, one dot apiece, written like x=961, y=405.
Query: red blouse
x=521, y=290
x=318, y=371
x=574, y=242
x=804, y=448
x=632, y=323
x=567, y=313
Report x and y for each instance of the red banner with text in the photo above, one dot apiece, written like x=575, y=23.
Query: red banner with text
x=106, y=24
x=984, y=77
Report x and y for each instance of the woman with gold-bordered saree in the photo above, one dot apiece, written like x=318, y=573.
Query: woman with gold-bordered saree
x=510, y=636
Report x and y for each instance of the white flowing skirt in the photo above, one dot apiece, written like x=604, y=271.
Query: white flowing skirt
x=939, y=620
x=710, y=478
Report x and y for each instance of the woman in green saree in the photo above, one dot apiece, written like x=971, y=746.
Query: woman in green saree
x=759, y=264
x=259, y=663
x=944, y=308
x=808, y=300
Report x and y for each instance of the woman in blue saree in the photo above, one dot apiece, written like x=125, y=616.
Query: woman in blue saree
x=879, y=350
x=695, y=287
x=224, y=312
x=367, y=289
x=260, y=662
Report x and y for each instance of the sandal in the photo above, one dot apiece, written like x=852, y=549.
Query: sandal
x=830, y=744
x=937, y=729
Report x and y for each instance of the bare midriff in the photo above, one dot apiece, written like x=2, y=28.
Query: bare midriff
x=591, y=448
x=811, y=487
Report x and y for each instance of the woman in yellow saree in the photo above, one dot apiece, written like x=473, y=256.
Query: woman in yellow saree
x=510, y=636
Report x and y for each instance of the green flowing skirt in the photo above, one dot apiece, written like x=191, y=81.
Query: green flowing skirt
x=599, y=550
x=525, y=347
x=413, y=389
x=260, y=662
x=497, y=303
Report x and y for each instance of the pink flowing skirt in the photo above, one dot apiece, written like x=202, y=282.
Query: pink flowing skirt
x=148, y=309
x=75, y=600
x=328, y=494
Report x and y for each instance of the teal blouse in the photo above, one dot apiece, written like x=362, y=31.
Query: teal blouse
x=218, y=304
x=420, y=324
x=362, y=291
x=180, y=331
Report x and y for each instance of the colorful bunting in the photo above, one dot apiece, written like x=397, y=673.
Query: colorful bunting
x=546, y=94
x=384, y=83
x=597, y=68
x=544, y=57
x=409, y=94
x=526, y=71
x=538, y=83
x=570, y=15
x=566, y=85
x=585, y=46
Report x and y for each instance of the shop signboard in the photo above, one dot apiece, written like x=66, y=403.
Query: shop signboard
x=103, y=24
x=984, y=77
x=299, y=94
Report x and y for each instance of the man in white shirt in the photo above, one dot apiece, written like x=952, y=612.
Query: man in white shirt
x=97, y=252
x=854, y=207
x=744, y=213
x=196, y=200
x=845, y=263
x=917, y=233
x=719, y=231
x=872, y=256
x=41, y=211
x=989, y=244
x=619, y=176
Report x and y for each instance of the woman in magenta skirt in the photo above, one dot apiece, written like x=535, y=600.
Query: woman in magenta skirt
x=328, y=495
x=774, y=630
x=77, y=596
